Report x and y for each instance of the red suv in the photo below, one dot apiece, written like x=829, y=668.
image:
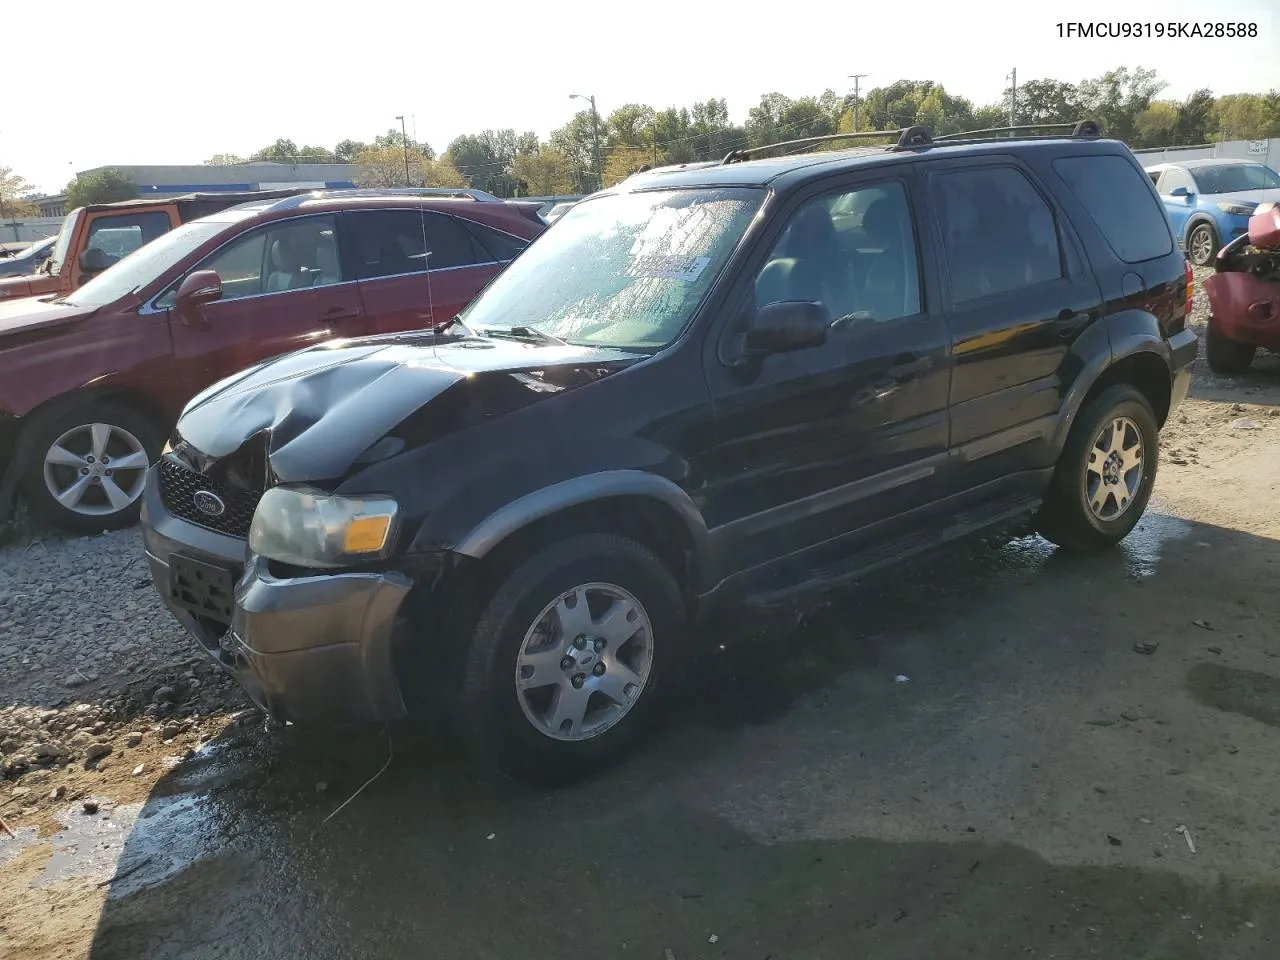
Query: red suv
x=91, y=382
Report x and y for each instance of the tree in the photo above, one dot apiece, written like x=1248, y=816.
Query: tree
x=440, y=173
x=545, y=172
x=384, y=167
x=1156, y=126
x=1046, y=101
x=13, y=191
x=485, y=158
x=577, y=140
x=1115, y=99
x=1247, y=116
x=224, y=160
x=347, y=151
x=286, y=151
x=99, y=186
x=1195, y=118
x=623, y=161
x=908, y=102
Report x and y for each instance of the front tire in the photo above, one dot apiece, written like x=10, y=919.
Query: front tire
x=566, y=665
x=87, y=466
x=1104, y=477
x=1202, y=244
x=1224, y=355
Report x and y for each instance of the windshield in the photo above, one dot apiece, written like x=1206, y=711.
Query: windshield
x=625, y=270
x=64, y=241
x=1233, y=177
x=146, y=263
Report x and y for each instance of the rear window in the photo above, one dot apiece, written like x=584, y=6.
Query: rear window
x=1118, y=200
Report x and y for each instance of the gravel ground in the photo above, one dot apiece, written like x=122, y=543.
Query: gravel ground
x=98, y=678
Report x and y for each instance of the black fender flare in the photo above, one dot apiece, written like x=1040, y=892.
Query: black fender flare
x=1128, y=333
x=576, y=491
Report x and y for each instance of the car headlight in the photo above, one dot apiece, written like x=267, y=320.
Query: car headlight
x=310, y=528
x=1239, y=209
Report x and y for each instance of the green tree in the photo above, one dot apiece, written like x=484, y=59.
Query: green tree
x=13, y=191
x=1195, y=118
x=577, y=141
x=223, y=160
x=908, y=102
x=1115, y=99
x=286, y=151
x=1046, y=101
x=1246, y=116
x=385, y=167
x=545, y=172
x=1156, y=126
x=485, y=159
x=100, y=186
x=347, y=150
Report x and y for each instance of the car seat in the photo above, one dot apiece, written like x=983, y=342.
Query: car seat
x=284, y=267
x=326, y=262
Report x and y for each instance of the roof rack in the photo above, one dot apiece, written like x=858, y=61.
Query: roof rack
x=738, y=156
x=459, y=193
x=919, y=137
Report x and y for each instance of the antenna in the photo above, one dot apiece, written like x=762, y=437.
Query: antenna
x=426, y=265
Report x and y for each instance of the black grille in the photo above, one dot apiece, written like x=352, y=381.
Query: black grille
x=179, y=485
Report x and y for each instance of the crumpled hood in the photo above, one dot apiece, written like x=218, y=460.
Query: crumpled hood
x=319, y=409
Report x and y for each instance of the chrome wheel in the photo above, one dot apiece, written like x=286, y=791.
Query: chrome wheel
x=96, y=469
x=1201, y=245
x=1114, y=471
x=584, y=662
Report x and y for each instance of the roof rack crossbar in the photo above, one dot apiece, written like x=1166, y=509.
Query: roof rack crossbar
x=461, y=193
x=737, y=156
x=1082, y=128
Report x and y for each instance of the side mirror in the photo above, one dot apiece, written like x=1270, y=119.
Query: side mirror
x=199, y=288
x=94, y=260
x=787, y=326
x=1179, y=192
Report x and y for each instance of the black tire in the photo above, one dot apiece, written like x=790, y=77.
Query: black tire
x=40, y=436
x=486, y=710
x=1198, y=251
x=1223, y=354
x=1066, y=517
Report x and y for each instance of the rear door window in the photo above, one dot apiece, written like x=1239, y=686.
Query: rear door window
x=1129, y=218
x=494, y=244
x=999, y=233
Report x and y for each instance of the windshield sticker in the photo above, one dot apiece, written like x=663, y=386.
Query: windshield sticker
x=687, y=269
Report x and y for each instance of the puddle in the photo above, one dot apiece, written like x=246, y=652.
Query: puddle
x=1139, y=553
x=141, y=844
x=10, y=847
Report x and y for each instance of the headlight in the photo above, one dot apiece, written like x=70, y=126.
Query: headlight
x=310, y=528
x=1239, y=209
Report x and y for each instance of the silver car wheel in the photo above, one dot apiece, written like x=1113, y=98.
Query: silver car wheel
x=96, y=469
x=1113, y=474
x=584, y=662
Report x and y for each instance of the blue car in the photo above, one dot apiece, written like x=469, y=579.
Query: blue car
x=1209, y=201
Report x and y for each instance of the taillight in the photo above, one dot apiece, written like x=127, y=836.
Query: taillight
x=1191, y=287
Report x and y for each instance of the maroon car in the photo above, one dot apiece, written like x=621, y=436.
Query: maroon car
x=91, y=382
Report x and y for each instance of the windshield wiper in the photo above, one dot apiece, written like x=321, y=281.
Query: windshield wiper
x=523, y=334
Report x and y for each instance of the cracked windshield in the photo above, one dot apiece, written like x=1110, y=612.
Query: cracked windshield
x=629, y=269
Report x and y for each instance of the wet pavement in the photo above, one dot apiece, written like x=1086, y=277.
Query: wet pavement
x=1020, y=793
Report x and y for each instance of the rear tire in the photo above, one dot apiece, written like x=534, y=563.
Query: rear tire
x=528, y=729
x=86, y=467
x=1202, y=244
x=1225, y=355
x=1104, y=476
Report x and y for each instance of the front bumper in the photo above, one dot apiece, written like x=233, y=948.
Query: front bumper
x=311, y=648
x=1183, y=347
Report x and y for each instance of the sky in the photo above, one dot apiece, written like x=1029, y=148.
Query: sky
x=158, y=82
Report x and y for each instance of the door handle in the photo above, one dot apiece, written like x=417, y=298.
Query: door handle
x=340, y=313
x=1070, y=323
x=907, y=365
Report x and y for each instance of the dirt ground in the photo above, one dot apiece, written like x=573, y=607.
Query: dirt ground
x=1009, y=753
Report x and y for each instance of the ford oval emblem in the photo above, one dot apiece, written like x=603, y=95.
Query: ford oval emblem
x=208, y=503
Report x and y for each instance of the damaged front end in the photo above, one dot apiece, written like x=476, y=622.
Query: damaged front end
x=1244, y=292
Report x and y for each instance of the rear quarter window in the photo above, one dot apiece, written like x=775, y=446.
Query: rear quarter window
x=1118, y=200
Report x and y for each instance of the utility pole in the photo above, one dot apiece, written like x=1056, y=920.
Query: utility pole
x=857, y=101
x=595, y=128
x=404, y=143
x=1013, y=96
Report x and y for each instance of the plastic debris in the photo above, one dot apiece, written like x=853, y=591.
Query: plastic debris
x=713, y=939
x=1246, y=424
x=1202, y=624
x=1186, y=835
x=491, y=836
x=901, y=678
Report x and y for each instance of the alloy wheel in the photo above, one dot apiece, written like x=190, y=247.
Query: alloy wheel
x=96, y=469
x=584, y=662
x=1115, y=469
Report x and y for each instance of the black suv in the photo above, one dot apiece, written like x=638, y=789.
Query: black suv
x=740, y=382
